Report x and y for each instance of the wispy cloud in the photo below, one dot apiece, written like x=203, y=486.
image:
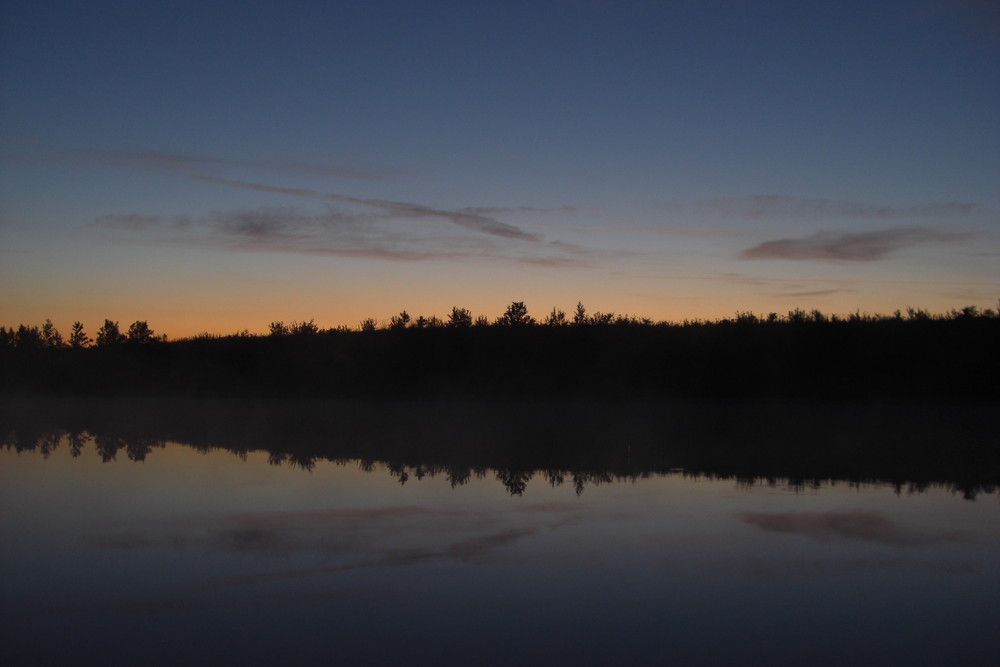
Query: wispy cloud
x=462, y=218
x=793, y=282
x=819, y=292
x=136, y=222
x=848, y=247
x=555, y=262
x=570, y=255
x=386, y=235
x=159, y=160
x=388, y=230
x=785, y=207
x=846, y=525
x=499, y=210
x=334, y=234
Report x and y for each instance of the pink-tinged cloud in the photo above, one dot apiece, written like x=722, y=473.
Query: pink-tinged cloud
x=848, y=247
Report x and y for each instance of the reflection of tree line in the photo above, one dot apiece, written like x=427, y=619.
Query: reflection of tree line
x=107, y=447
x=515, y=481
x=909, y=447
x=601, y=354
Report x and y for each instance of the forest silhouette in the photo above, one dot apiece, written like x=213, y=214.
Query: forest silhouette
x=801, y=354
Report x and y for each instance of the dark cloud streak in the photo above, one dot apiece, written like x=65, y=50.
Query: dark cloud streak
x=474, y=221
x=336, y=233
x=333, y=234
x=848, y=247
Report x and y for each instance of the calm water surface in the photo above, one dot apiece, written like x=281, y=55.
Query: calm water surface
x=206, y=556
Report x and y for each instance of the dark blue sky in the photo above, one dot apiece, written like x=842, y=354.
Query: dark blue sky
x=674, y=159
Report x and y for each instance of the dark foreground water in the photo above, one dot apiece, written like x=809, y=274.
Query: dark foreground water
x=123, y=550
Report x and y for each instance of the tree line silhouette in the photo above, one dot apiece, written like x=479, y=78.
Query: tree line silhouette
x=580, y=443
x=47, y=336
x=911, y=354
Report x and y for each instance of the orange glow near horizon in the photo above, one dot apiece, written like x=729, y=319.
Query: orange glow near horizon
x=220, y=312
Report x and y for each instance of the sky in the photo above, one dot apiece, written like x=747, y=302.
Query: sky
x=213, y=167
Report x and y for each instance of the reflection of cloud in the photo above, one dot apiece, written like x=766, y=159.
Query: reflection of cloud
x=848, y=247
x=848, y=525
x=784, y=207
x=352, y=535
x=125, y=541
x=480, y=546
x=550, y=507
x=355, y=553
x=353, y=558
x=360, y=513
x=352, y=539
x=251, y=540
x=462, y=218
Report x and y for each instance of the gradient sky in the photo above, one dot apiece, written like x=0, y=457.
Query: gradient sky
x=216, y=166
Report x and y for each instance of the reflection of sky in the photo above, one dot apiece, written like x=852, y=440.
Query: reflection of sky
x=238, y=557
x=220, y=165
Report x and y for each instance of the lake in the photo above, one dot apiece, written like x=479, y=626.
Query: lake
x=123, y=544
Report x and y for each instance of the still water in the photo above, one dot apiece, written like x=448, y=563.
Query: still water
x=199, y=554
